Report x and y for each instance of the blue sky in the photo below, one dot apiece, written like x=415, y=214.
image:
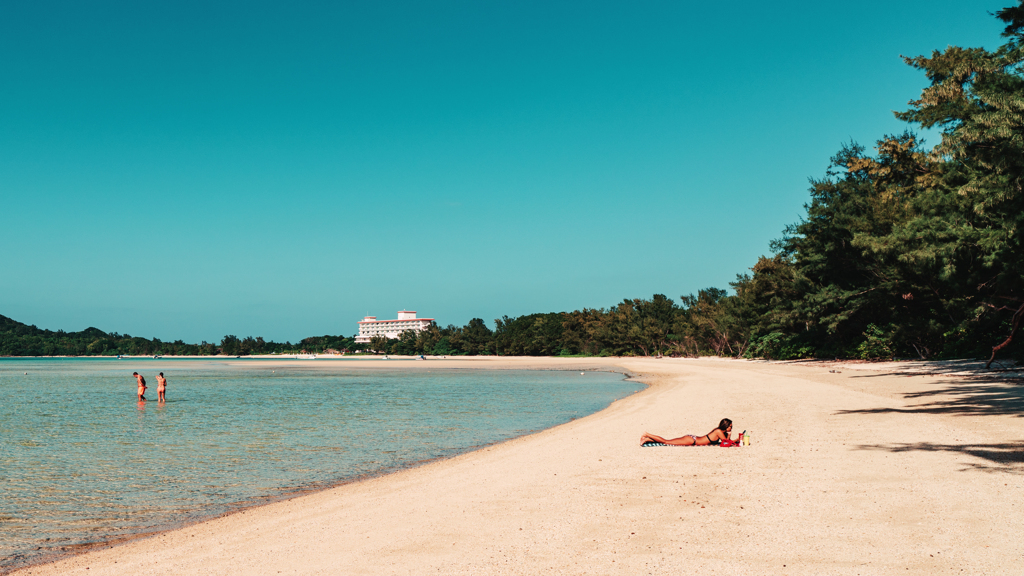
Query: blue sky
x=282, y=169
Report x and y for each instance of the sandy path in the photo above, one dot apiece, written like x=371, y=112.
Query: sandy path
x=860, y=472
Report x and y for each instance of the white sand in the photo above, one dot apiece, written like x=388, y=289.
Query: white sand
x=858, y=472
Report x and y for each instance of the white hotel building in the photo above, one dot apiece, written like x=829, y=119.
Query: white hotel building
x=407, y=320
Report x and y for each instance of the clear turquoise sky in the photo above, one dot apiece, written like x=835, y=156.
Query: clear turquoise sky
x=282, y=169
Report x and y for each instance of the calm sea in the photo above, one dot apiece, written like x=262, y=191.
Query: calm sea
x=82, y=462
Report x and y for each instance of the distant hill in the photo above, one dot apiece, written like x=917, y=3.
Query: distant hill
x=19, y=339
x=11, y=326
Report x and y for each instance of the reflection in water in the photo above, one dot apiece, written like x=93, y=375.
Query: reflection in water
x=86, y=471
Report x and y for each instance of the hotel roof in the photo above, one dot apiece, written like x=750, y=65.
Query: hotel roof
x=402, y=320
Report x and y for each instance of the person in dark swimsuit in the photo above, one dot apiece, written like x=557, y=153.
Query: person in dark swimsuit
x=710, y=439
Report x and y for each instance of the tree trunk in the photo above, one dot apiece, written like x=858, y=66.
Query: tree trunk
x=918, y=350
x=1013, y=332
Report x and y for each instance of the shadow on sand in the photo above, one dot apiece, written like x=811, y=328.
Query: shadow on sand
x=976, y=395
x=1006, y=458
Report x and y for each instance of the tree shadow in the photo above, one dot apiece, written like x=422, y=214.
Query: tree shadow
x=1004, y=458
x=975, y=395
x=959, y=368
x=965, y=368
x=978, y=396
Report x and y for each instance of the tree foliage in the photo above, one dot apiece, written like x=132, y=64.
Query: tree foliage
x=17, y=339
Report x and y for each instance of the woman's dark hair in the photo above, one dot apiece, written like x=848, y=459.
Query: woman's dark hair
x=724, y=424
x=161, y=373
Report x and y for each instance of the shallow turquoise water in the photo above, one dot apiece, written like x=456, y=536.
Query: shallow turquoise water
x=81, y=461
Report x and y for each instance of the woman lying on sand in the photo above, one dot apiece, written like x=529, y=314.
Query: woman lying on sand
x=711, y=438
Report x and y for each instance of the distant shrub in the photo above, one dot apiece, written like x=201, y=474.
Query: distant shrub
x=767, y=346
x=877, y=343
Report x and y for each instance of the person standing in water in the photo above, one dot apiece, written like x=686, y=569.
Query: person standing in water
x=161, y=386
x=142, y=385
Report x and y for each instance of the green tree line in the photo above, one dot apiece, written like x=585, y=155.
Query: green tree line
x=904, y=251
x=18, y=339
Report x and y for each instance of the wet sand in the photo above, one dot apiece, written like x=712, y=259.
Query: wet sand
x=855, y=469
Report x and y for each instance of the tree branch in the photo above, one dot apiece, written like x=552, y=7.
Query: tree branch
x=1017, y=316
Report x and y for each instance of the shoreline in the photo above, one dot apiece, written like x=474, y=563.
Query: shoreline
x=75, y=550
x=883, y=492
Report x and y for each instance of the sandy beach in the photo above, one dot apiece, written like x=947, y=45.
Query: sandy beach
x=855, y=469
